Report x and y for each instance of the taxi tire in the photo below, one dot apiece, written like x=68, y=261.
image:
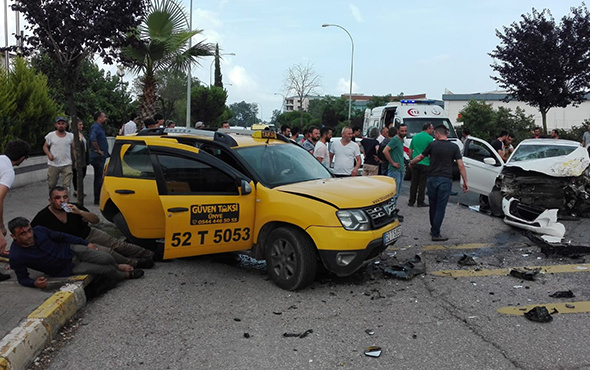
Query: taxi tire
x=290, y=258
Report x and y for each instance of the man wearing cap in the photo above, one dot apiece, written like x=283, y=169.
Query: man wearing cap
x=59, y=146
x=199, y=124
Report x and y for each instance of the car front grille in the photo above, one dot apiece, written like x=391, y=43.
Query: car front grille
x=381, y=214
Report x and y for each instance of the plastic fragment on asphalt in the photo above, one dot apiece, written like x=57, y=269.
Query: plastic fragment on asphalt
x=298, y=335
x=525, y=274
x=466, y=260
x=563, y=294
x=373, y=351
x=538, y=314
x=406, y=271
x=370, y=331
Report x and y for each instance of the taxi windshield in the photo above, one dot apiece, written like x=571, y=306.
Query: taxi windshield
x=281, y=164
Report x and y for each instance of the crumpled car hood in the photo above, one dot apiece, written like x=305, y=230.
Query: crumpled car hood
x=571, y=165
x=346, y=192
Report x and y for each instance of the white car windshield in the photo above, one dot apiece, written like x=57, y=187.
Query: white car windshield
x=526, y=152
x=282, y=164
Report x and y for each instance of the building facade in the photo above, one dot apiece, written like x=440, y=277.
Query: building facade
x=561, y=118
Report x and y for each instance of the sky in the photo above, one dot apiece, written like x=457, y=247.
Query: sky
x=430, y=47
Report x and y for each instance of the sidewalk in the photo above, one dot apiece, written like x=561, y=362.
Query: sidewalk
x=30, y=317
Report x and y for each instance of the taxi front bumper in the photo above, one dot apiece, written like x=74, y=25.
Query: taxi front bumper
x=339, y=249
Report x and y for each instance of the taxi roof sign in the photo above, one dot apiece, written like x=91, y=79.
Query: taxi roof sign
x=264, y=134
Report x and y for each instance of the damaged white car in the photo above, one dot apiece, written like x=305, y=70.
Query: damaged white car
x=545, y=173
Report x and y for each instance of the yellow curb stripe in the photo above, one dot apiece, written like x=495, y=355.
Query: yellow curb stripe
x=583, y=267
x=55, y=311
x=578, y=307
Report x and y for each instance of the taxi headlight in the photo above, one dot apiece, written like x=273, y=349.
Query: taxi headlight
x=353, y=219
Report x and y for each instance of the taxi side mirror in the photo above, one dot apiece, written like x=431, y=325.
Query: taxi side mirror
x=245, y=187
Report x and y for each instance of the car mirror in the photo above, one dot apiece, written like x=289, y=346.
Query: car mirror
x=489, y=160
x=246, y=188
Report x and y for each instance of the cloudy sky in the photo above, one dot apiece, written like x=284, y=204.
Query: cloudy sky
x=399, y=46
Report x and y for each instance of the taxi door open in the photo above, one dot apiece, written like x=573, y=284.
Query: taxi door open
x=208, y=205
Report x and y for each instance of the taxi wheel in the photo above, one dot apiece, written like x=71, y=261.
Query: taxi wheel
x=290, y=258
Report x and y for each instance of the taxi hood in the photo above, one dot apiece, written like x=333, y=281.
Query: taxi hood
x=345, y=192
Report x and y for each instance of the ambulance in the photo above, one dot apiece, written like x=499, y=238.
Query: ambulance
x=414, y=114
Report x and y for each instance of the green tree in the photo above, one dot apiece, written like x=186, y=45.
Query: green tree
x=479, y=118
x=208, y=104
x=244, y=114
x=378, y=101
x=218, y=76
x=161, y=42
x=171, y=92
x=97, y=90
x=545, y=64
x=27, y=111
x=329, y=110
x=72, y=30
x=485, y=122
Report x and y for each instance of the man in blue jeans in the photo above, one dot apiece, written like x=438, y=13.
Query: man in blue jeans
x=394, y=154
x=99, y=151
x=442, y=154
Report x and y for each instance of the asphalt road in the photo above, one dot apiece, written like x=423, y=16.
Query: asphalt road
x=199, y=313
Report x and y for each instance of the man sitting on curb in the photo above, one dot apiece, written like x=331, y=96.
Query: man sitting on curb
x=59, y=255
x=71, y=218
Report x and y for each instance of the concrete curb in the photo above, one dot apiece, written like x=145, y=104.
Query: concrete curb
x=23, y=344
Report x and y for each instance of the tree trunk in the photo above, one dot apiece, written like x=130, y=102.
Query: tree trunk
x=148, y=99
x=544, y=118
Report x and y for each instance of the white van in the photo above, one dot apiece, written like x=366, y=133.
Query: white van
x=413, y=113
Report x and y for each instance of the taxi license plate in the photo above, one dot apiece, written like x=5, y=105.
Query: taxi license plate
x=390, y=236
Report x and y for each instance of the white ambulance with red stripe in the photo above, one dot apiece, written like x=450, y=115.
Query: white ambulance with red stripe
x=414, y=114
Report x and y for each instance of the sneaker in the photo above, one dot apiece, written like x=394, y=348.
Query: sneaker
x=454, y=193
x=439, y=238
x=422, y=205
x=411, y=204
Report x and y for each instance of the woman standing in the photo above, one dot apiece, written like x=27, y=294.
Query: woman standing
x=85, y=158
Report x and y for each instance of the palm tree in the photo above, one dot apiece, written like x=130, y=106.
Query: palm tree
x=162, y=43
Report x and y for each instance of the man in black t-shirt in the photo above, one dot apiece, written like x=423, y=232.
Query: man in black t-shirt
x=443, y=154
x=73, y=219
x=498, y=144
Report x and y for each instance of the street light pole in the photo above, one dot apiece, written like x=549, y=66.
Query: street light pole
x=211, y=68
x=351, y=66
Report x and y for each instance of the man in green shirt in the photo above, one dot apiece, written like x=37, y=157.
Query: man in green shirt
x=420, y=170
x=394, y=154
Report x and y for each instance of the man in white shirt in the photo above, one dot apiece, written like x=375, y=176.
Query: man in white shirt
x=59, y=146
x=130, y=127
x=321, y=147
x=15, y=152
x=346, y=155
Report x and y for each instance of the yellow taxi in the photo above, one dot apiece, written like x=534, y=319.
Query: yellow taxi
x=194, y=192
